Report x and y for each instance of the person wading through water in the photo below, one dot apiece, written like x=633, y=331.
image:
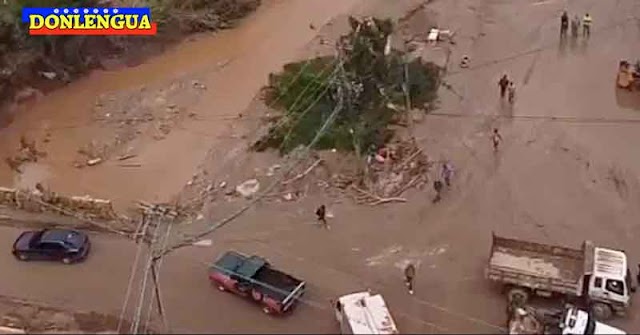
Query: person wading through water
x=512, y=92
x=586, y=25
x=447, y=173
x=564, y=24
x=575, y=26
x=321, y=212
x=503, y=83
x=437, y=186
x=496, y=138
x=409, y=275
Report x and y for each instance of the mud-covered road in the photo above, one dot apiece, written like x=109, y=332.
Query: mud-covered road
x=567, y=171
x=232, y=65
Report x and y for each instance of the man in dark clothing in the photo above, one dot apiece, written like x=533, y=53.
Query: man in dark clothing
x=503, y=83
x=409, y=275
x=321, y=213
x=564, y=24
x=638, y=275
x=437, y=186
x=496, y=138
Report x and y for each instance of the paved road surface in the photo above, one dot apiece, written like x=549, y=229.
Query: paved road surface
x=560, y=182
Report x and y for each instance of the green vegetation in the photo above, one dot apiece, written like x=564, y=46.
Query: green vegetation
x=371, y=84
x=23, y=56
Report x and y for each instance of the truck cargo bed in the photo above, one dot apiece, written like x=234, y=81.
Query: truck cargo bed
x=535, y=265
x=279, y=285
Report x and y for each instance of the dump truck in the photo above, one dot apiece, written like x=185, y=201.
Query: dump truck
x=570, y=321
x=254, y=278
x=364, y=313
x=594, y=277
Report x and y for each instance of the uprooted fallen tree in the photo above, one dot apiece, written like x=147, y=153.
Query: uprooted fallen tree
x=378, y=87
x=376, y=84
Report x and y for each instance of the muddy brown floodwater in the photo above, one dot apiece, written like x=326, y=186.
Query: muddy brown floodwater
x=566, y=171
x=232, y=64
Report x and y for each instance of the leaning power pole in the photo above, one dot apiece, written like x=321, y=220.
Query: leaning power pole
x=160, y=219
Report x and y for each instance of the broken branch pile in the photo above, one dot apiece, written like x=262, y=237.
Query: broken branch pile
x=391, y=171
x=26, y=154
x=38, y=201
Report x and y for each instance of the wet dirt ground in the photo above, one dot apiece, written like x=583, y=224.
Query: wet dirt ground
x=567, y=171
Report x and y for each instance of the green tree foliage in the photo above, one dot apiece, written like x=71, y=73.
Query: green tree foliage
x=372, y=82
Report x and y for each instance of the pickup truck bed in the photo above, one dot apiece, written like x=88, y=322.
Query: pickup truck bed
x=278, y=284
x=535, y=265
x=253, y=277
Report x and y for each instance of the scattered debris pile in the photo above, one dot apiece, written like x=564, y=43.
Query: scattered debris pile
x=146, y=111
x=42, y=200
x=26, y=154
x=293, y=185
x=390, y=171
x=22, y=317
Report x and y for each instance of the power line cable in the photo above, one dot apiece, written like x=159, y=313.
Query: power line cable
x=339, y=106
x=158, y=264
x=144, y=227
x=136, y=321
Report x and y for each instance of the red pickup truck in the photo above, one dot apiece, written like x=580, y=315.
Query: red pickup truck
x=254, y=278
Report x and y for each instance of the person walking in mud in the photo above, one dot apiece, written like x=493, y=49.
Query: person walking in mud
x=496, y=138
x=321, y=213
x=503, y=83
x=512, y=92
x=575, y=26
x=447, y=173
x=409, y=276
x=564, y=24
x=437, y=186
x=586, y=25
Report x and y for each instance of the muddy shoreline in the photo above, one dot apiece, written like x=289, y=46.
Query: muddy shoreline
x=28, y=74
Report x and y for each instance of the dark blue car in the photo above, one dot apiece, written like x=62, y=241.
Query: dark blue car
x=67, y=246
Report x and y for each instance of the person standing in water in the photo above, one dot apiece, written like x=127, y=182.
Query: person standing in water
x=409, y=276
x=496, y=138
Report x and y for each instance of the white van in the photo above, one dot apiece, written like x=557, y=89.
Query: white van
x=578, y=322
x=364, y=313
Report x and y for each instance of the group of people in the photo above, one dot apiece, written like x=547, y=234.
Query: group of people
x=575, y=25
x=507, y=86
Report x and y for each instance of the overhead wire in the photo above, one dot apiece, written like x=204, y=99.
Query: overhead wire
x=317, y=304
x=544, y=47
x=143, y=290
x=381, y=285
x=158, y=265
x=134, y=267
x=190, y=240
x=568, y=119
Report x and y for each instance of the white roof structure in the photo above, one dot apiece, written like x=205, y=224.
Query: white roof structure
x=609, y=263
x=368, y=314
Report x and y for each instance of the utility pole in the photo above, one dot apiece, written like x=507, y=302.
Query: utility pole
x=159, y=220
x=406, y=88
